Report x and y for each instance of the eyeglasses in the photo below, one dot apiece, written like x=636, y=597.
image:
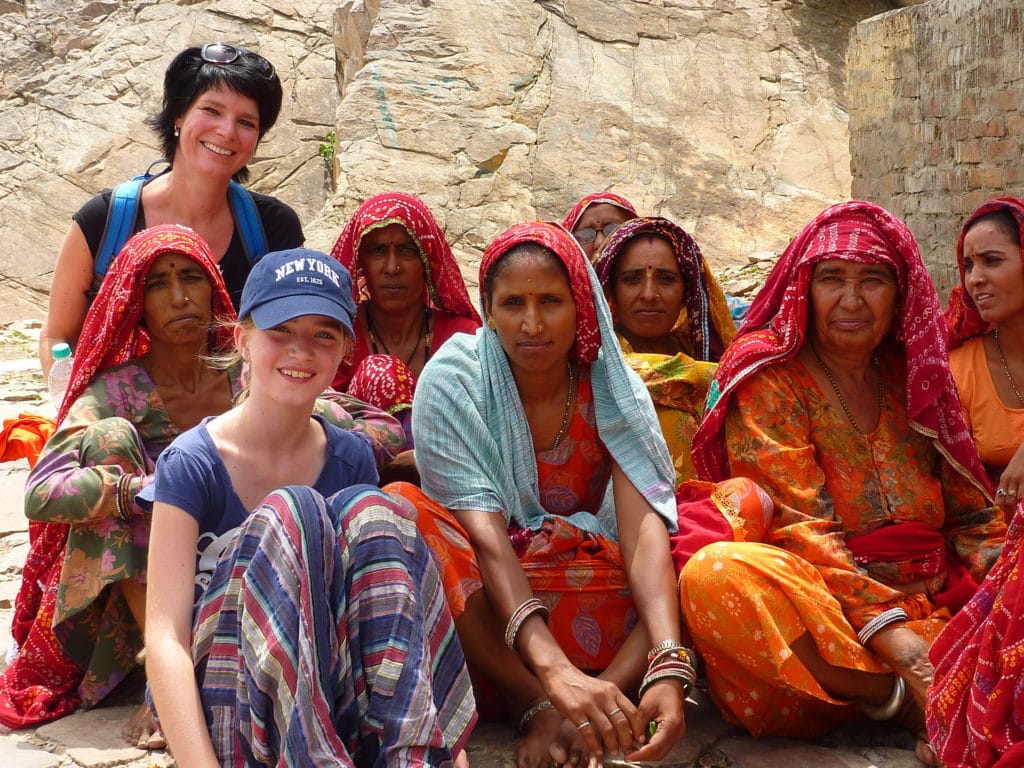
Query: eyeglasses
x=589, y=234
x=222, y=53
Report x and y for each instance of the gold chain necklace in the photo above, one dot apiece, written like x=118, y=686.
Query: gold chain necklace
x=842, y=400
x=565, y=414
x=1006, y=368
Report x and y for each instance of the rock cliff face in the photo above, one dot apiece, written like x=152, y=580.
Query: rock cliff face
x=726, y=115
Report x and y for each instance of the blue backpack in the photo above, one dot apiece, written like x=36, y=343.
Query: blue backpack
x=124, y=208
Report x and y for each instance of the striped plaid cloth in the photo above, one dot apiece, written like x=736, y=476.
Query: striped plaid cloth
x=324, y=639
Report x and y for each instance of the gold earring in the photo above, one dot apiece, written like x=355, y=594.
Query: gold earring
x=490, y=322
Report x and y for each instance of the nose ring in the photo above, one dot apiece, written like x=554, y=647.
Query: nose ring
x=540, y=327
x=187, y=299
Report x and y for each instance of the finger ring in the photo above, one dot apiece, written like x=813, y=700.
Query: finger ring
x=1000, y=492
x=584, y=724
x=1011, y=493
x=574, y=759
x=614, y=712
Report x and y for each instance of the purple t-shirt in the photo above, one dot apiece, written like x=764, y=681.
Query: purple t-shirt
x=191, y=475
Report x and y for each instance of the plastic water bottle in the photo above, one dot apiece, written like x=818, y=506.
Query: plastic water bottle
x=60, y=373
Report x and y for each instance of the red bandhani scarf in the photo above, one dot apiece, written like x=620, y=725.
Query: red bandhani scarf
x=974, y=712
x=41, y=684
x=962, y=317
x=444, y=288
x=114, y=325
x=383, y=381
x=706, y=322
x=556, y=239
x=775, y=327
x=594, y=198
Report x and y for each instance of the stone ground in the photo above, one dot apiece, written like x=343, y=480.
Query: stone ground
x=92, y=739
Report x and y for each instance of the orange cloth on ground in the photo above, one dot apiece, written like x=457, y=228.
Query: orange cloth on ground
x=997, y=429
x=25, y=436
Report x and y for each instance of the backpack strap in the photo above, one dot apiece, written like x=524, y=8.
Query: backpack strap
x=247, y=219
x=124, y=208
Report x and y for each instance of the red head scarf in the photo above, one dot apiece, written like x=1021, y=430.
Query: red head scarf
x=775, y=328
x=444, y=288
x=962, y=317
x=114, y=331
x=554, y=238
x=705, y=326
x=573, y=217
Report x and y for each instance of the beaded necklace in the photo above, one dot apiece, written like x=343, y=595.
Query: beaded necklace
x=1006, y=368
x=565, y=414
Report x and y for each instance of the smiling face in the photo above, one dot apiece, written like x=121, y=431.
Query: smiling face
x=294, y=361
x=393, y=267
x=177, y=300
x=596, y=224
x=853, y=305
x=219, y=132
x=534, y=313
x=647, y=288
x=993, y=272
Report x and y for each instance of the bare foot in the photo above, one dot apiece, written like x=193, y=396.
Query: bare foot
x=549, y=740
x=142, y=731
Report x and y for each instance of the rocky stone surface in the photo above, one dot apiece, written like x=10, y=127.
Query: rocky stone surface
x=92, y=739
x=728, y=116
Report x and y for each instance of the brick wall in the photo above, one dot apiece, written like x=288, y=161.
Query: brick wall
x=935, y=94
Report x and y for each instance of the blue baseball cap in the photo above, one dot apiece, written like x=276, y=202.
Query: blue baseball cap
x=287, y=284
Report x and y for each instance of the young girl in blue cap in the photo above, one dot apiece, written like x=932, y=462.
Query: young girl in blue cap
x=294, y=614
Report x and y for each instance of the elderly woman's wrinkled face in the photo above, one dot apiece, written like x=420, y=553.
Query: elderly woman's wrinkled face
x=647, y=287
x=177, y=304
x=853, y=305
x=596, y=224
x=533, y=311
x=394, y=270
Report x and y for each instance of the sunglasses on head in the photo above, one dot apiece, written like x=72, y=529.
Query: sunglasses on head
x=222, y=53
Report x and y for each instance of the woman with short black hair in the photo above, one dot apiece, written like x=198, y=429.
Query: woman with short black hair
x=219, y=101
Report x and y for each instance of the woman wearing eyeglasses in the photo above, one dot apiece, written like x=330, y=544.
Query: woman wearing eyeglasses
x=595, y=217
x=218, y=102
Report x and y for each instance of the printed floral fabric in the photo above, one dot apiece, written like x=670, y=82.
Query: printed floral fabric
x=745, y=603
x=117, y=426
x=828, y=482
x=678, y=386
x=975, y=708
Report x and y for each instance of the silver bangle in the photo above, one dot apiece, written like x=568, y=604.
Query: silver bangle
x=888, y=710
x=880, y=622
x=541, y=706
x=519, y=617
